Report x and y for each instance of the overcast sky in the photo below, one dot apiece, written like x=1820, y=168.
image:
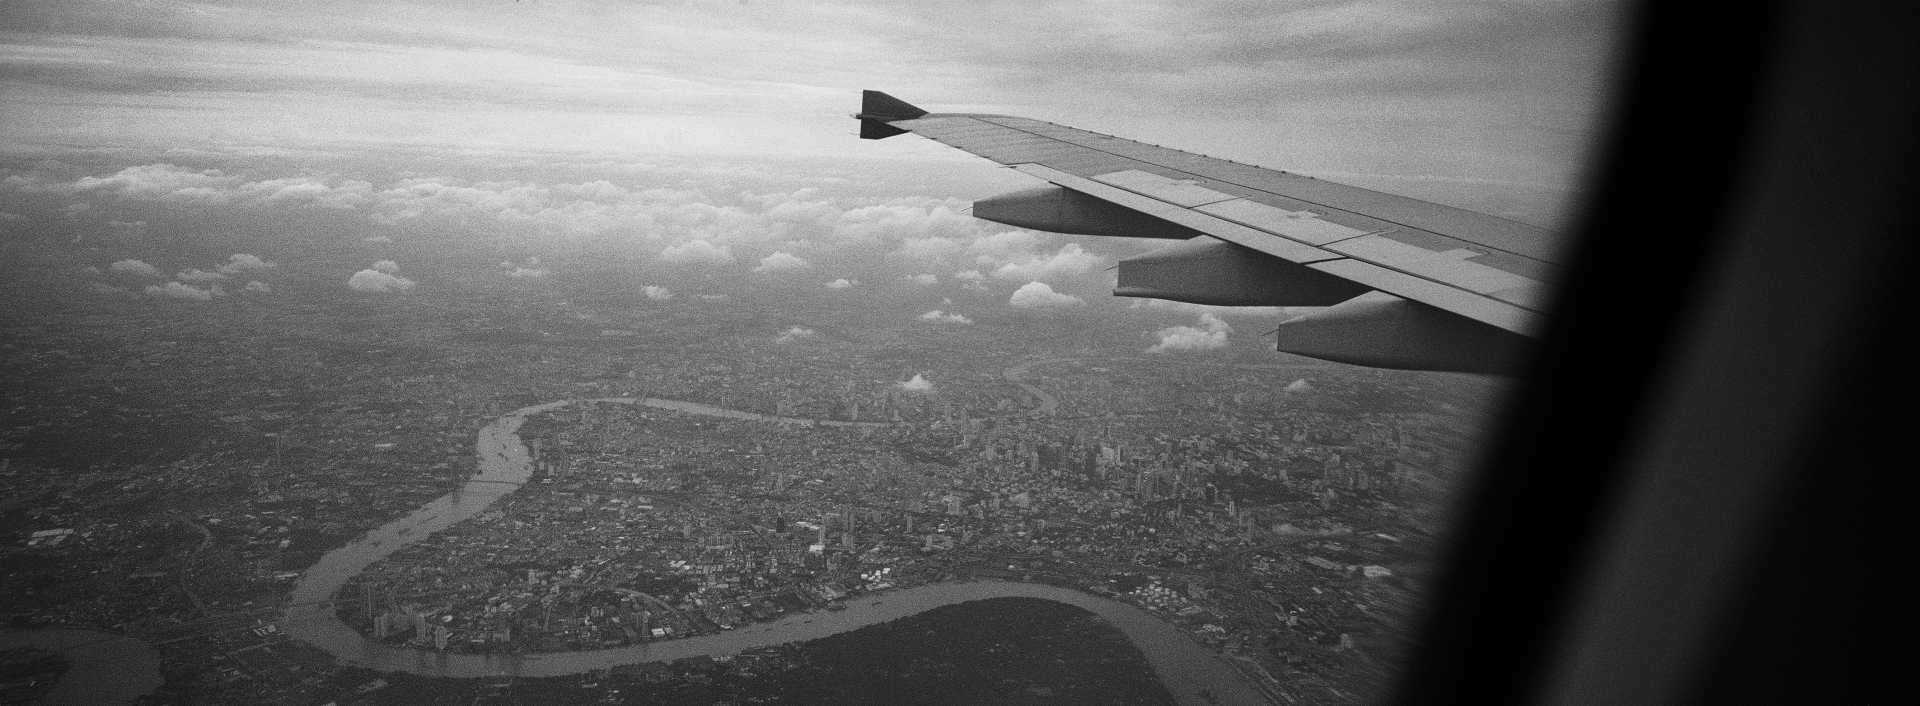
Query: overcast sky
x=153, y=149
x=1501, y=91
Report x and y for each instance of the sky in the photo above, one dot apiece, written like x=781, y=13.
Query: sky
x=1497, y=90
x=716, y=134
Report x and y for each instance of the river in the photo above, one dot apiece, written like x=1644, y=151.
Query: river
x=1189, y=670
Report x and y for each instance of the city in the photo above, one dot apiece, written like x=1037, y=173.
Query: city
x=1280, y=512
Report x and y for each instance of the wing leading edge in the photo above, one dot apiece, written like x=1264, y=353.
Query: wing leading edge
x=1407, y=284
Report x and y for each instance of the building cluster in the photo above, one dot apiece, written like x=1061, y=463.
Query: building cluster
x=151, y=493
x=643, y=524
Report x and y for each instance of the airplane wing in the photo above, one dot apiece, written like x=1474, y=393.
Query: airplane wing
x=1407, y=283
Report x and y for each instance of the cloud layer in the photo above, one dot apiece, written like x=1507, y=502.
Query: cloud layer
x=1367, y=85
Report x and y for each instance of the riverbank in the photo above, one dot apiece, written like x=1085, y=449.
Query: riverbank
x=1191, y=672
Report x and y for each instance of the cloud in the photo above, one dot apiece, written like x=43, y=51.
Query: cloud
x=1070, y=260
x=530, y=270
x=571, y=78
x=794, y=334
x=843, y=283
x=924, y=279
x=917, y=384
x=906, y=221
x=697, y=251
x=134, y=267
x=1210, y=334
x=164, y=182
x=928, y=251
x=199, y=275
x=242, y=262
x=127, y=229
x=945, y=318
x=1037, y=295
x=177, y=290
x=378, y=281
x=993, y=250
x=657, y=292
x=169, y=183
x=1300, y=385
x=257, y=287
x=781, y=262
x=971, y=280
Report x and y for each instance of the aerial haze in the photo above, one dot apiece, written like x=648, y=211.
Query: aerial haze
x=273, y=270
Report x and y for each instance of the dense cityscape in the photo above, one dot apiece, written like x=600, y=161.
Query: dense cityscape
x=1279, y=511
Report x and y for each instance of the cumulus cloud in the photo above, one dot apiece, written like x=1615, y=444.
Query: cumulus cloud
x=1070, y=260
x=793, y=334
x=257, y=287
x=1300, y=385
x=945, y=318
x=199, y=275
x=242, y=262
x=377, y=281
x=1210, y=334
x=904, y=220
x=917, y=384
x=657, y=292
x=176, y=290
x=134, y=267
x=697, y=251
x=387, y=266
x=842, y=283
x=1037, y=295
x=164, y=182
x=781, y=262
x=924, y=279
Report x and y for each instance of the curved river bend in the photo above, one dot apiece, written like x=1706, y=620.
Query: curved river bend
x=1190, y=671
